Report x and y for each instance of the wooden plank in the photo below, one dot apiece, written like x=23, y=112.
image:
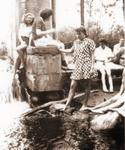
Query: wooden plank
x=76, y=97
x=53, y=3
x=41, y=50
x=51, y=82
x=82, y=11
x=41, y=65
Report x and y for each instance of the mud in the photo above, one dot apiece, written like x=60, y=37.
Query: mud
x=55, y=130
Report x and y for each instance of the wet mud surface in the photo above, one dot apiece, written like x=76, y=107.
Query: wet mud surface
x=53, y=130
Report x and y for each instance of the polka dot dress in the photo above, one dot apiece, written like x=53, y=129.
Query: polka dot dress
x=83, y=51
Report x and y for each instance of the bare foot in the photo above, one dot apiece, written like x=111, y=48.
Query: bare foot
x=83, y=107
x=97, y=111
x=63, y=109
x=29, y=47
x=86, y=109
x=105, y=91
x=111, y=91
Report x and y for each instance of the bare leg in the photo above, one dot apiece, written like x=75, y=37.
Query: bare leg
x=87, y=93
x=103, y=74
x=113, y=101
x=21, y=53
x=123, y=81
x=108, y=70
x=71, y=92
x=23, y=59
x=17, y=63
x=114, y=98
x=118, y=103
x=20, y=58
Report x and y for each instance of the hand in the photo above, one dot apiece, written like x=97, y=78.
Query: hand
x=110, y=59
x=93, y=72
x=92, y=69
x=61, y=46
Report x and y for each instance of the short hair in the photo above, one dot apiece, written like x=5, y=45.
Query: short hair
x=102, y=40
x=26, y=15
x=81, y=29
x=46, y=13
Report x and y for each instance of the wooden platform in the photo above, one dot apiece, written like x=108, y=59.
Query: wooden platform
x=43, y=69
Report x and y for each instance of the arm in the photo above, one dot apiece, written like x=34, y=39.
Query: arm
x=33, y=36
x=119, y=54
x=66, y=50
x=70, y=50
x=92, y=48
x=93, y=61
x=115, y=49
x=40, y=24
x=44, y=33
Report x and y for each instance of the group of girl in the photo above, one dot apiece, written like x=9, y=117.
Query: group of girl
x=33, y=32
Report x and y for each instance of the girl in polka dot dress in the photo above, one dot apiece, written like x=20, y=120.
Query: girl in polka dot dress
x=83, y=49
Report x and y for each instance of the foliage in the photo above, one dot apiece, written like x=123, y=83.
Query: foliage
x=95, y=32
x=67, y=35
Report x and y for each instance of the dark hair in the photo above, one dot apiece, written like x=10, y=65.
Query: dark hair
x=81, y=29
x=46, y=13
x=121, y=36
x=102, y=40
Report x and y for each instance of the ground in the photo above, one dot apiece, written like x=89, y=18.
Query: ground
x=33, y=132
x=99, y=96
x=43, y=130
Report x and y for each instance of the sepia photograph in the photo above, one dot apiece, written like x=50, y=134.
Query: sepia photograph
x=62, y=75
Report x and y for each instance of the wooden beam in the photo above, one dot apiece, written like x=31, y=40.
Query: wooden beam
x=53, y=5
x=82, y=11
x=78, y=97
x=124, y=9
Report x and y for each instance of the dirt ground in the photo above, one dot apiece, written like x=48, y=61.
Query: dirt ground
x=42, y=131
x=99, y=96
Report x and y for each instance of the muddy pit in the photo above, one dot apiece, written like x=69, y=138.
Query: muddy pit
x=49, y=129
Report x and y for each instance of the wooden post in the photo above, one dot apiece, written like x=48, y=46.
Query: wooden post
x=53, y=4
x=82, y=12
x=124, y=33
x=124, y=9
